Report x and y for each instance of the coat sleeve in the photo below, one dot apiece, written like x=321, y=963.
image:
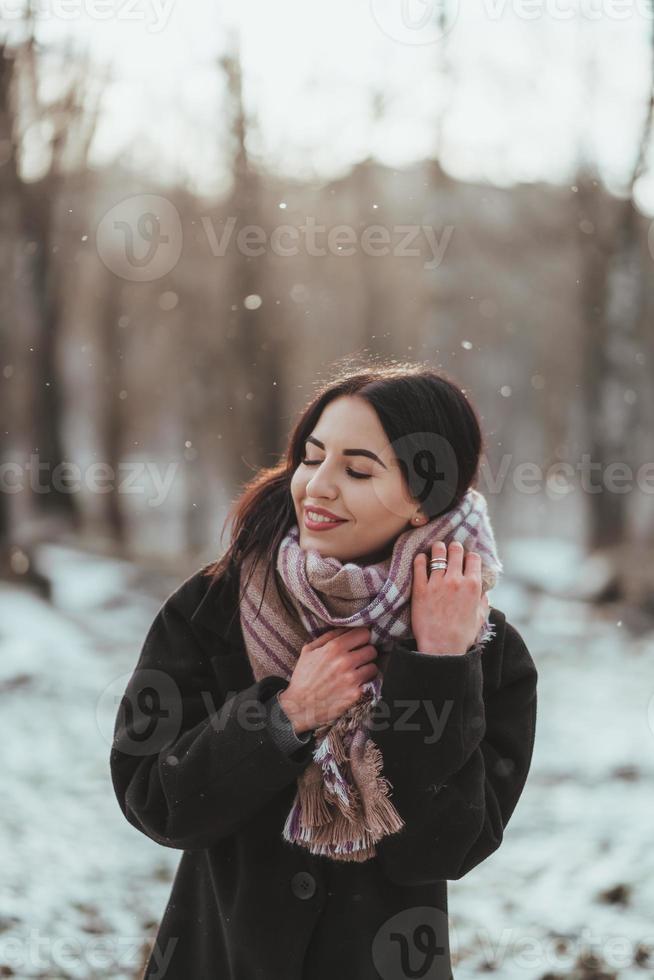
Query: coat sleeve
x=282, y=727
x=457, y=755
x=189, y=767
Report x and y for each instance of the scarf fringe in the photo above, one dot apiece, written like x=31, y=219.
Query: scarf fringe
x=349, y=824
x=381, y=816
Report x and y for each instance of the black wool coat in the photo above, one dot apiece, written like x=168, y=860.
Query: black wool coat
x=195, y=767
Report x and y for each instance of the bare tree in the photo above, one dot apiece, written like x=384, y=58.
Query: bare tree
x=9, y=236
x=613, y=293
x=371, y=283
x=67, y=123
x=111, y=414
x=254, y=359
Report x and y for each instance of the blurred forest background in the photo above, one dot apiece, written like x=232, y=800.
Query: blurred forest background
x=151, y=359
x=163, y=346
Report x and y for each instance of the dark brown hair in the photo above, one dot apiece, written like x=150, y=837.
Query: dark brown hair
x=428, y=420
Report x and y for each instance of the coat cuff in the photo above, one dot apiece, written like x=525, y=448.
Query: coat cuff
x=281, y=727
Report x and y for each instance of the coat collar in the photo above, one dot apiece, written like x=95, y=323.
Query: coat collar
x=218, y=609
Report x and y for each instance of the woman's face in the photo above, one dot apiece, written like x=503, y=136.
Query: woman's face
x=367, y=491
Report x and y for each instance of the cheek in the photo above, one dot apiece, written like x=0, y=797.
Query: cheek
x=384, y=501
x=298, y=485
x=364, y=500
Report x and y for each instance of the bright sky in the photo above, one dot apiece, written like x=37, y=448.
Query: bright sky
x=533, y=83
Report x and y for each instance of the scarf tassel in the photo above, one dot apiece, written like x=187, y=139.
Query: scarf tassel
x=350, y=823
x=380, y=814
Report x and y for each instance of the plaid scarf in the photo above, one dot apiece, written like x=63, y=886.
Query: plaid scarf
x=342, y=805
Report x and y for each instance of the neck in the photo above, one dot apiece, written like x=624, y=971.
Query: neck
x=375, y=556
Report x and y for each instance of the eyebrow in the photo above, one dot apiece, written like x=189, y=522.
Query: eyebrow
x=348, y=452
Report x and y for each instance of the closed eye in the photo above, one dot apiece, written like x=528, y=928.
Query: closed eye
x=348, y=469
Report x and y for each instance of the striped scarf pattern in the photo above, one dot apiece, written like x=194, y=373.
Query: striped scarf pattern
x=342, y=806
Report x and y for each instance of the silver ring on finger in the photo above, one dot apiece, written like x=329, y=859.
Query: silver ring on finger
x=438, y=563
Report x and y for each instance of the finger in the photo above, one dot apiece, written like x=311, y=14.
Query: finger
x=325, y=637
x=472, y=563
x=455, y=558
x=420, y=571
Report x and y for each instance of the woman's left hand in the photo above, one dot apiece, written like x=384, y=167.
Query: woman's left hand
x=448, y=607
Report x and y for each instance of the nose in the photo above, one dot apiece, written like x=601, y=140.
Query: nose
x=321, y=483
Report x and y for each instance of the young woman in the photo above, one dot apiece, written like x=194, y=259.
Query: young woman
x=330, y=721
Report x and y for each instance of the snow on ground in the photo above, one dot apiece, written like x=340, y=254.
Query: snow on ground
x=83, y=891
x=580, y=829
x=81, y=888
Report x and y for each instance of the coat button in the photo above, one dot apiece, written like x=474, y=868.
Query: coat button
x=303, y=885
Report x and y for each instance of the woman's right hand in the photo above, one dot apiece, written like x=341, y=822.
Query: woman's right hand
x=448, y=606
x=328, y=676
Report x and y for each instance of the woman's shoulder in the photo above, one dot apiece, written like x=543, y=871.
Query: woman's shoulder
x=209, y=600
x=202, y=585
x=506, y=632
x=510, y=648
